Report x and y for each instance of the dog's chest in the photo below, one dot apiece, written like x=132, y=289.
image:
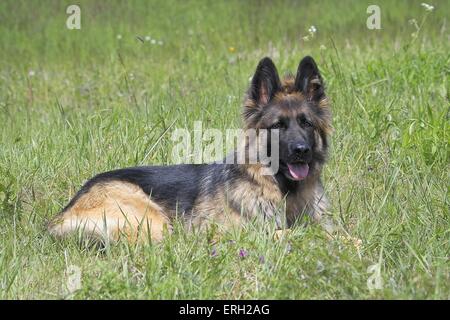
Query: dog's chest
x=308, y=199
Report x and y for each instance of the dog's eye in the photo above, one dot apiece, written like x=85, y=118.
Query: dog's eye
x=277, y=125
x=305, y=123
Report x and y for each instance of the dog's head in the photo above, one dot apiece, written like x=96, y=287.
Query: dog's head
x=298, y=108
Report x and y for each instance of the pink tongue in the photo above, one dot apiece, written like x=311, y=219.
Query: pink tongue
x=298, y=171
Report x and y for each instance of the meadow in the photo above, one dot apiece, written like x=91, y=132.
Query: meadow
x=74, y=103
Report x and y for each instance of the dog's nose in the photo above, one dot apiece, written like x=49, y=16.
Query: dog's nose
x=301, y=149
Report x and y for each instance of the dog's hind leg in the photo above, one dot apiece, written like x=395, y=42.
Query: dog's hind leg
x=108, y=210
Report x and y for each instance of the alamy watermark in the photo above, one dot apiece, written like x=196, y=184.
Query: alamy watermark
x=375, y=281
x=74, y=19
x=72, y=280
x=374, y=20
x=243, y=146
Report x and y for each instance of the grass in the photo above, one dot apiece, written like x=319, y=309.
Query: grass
x=78, y=102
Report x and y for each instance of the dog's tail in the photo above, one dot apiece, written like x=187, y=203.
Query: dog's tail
x=110, y=209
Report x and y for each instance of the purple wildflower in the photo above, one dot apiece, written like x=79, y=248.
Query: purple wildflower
x=262, y=259
x=243, y=253
x=214, y=252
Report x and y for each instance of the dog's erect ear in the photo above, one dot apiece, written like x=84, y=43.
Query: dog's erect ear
x=265, y=82
x=308, y=80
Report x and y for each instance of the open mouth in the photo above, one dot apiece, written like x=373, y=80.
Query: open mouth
x=298, y=171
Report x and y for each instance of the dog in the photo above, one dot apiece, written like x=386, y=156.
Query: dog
x=143, y=202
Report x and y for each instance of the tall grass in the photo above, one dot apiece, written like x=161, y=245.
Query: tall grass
x=77, y=102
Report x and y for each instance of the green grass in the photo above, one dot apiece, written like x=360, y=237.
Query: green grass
x=96, y=103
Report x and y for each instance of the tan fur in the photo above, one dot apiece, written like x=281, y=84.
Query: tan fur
x=257, y=197
x=111, y=209
x=267, y=188
x=214, y=210
x=323, y=123
x=288, y=86
x=310, y=201
x=289, y=92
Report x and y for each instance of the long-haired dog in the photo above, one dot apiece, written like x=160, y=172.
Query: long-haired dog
x=144, y=201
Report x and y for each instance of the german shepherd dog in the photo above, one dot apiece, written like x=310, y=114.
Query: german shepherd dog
x=145, y=201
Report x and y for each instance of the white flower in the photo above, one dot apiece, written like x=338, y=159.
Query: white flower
x=153, y=41
x=322, y=47
x=31, y=73
x=312, y=30
x=160, y=42
x=119, y=36
x=148, y=38
x=427, y=6
x=131, y=76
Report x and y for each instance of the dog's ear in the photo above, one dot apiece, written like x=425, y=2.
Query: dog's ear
x=265, y=83
x=308, y=80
